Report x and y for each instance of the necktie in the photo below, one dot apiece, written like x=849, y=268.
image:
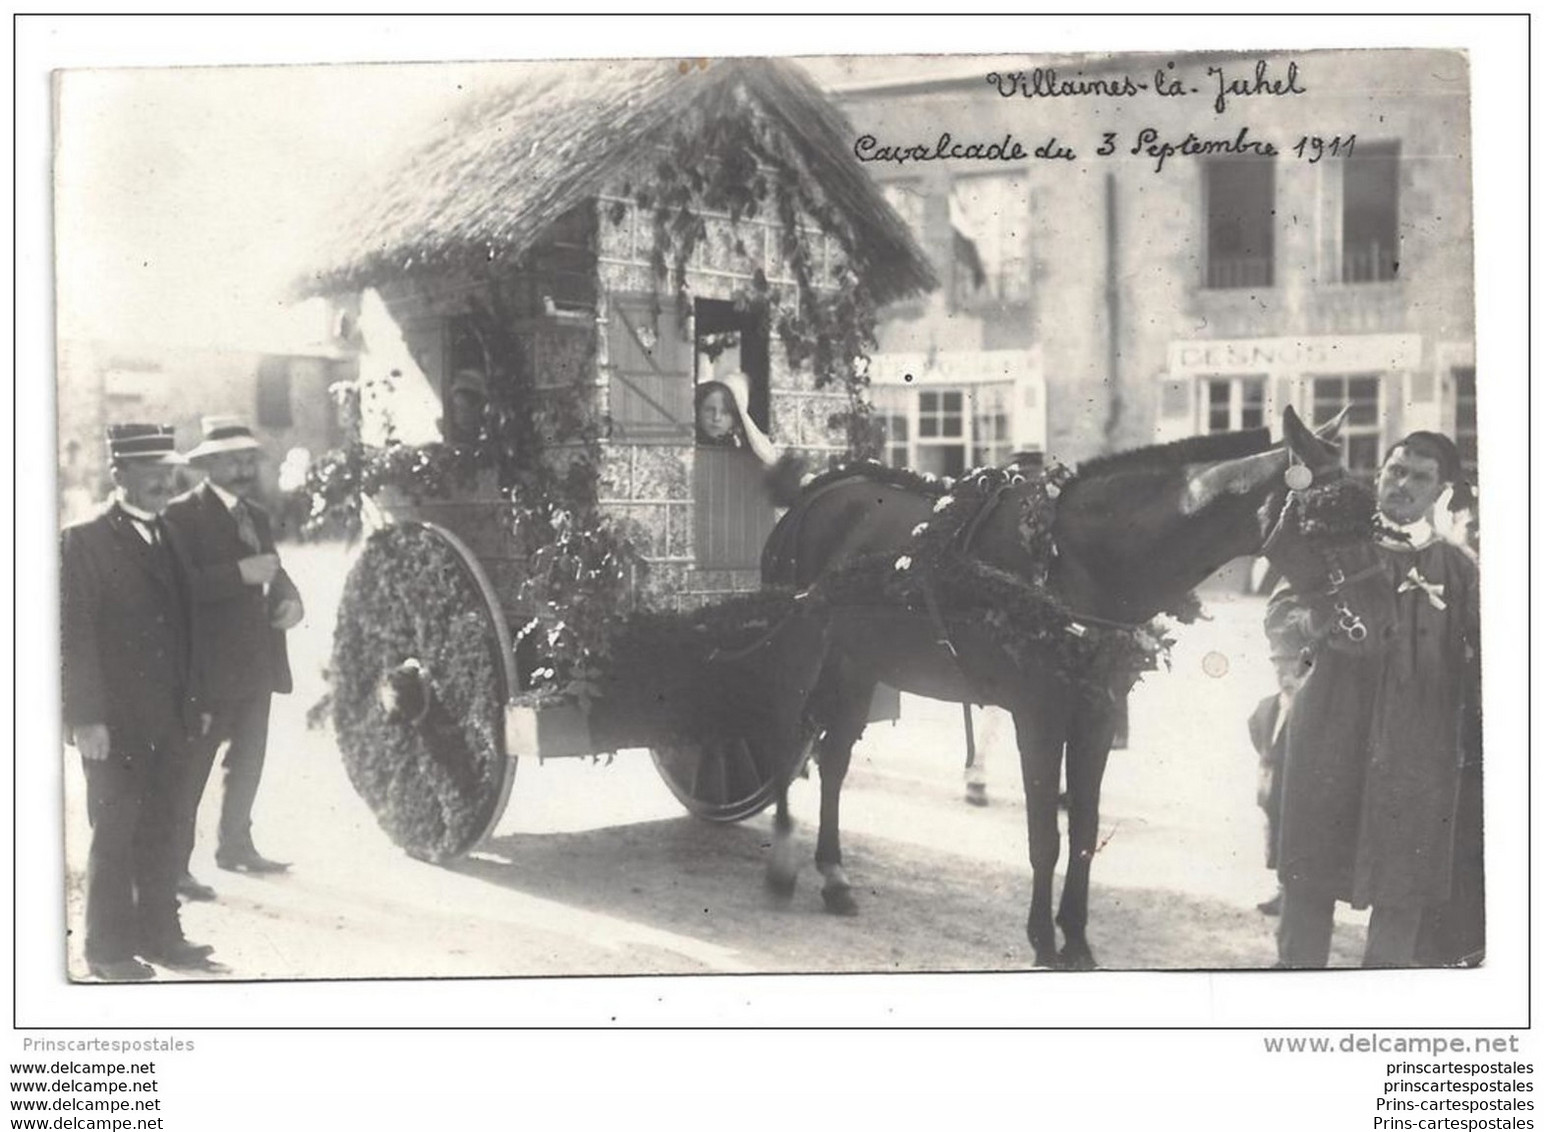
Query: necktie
x=246, y=530
x=147, y=531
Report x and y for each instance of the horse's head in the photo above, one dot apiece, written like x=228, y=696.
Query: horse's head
x=1323, y=545
x=1138, y=530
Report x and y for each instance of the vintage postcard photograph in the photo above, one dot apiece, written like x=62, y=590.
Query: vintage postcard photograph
x=770, y=515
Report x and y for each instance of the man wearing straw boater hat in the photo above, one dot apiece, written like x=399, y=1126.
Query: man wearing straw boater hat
x=242, y=605
x=124, y=647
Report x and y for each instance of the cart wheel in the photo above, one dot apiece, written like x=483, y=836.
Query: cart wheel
x=420, y=679
x=726, y=780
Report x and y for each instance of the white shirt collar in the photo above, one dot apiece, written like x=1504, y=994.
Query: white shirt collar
x=1419, y=533
x=223, y=496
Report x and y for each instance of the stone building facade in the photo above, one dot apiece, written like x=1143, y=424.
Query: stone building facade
x=1130, y=294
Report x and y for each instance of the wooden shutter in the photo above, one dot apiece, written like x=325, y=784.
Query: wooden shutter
x=651, y=372
x=733, y=514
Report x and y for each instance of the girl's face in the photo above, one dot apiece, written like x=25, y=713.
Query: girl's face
x=716, y=415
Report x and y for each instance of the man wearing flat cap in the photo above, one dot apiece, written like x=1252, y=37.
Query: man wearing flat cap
x=1377, y=747
x=242, y=604
x=124, y=648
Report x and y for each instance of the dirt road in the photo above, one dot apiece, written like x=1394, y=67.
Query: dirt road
x=596, y=870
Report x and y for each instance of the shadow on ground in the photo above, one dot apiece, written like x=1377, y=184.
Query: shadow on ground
x=920, y=910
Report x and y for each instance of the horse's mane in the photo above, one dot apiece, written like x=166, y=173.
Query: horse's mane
x=1177, y=453
x=919, y=482
x=1155, y=457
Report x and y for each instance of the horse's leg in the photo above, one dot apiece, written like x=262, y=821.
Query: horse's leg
x=1041, y=733
x=847, y=715
x=975, y=757
x=1090, y=733
x=783, y=864
x=793, y=670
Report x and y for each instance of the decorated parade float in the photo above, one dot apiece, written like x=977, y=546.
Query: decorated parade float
x=552, y=564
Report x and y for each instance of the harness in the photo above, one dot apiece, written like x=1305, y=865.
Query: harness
x=1347, y=620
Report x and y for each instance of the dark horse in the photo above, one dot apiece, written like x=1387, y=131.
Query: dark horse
x=1133, y=534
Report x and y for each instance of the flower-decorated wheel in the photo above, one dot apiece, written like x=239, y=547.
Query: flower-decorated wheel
x=420, y=679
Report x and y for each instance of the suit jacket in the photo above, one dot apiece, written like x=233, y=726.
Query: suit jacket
x=124, y=640
x=236, y=653
x=1262, y=731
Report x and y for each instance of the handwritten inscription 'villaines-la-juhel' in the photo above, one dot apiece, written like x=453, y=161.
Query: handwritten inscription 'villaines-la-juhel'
x=1048, y=82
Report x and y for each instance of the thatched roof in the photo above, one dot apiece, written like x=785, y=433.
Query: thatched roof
x=493, y=180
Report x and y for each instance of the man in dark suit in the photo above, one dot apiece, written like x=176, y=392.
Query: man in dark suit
x=124, y=651
x=242, y=605
x=1268, y=733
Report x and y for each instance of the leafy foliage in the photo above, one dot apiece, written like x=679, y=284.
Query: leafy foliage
x=936, y=570
x=432, y=777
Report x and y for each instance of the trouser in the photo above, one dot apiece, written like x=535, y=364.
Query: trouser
x=132, y=866
x=240, y=727
x=1308, y=921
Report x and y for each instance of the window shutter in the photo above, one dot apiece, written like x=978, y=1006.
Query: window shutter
x=650, y=354
x=1176, y=416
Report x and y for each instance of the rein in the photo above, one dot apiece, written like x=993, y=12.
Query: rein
x=1347, y=620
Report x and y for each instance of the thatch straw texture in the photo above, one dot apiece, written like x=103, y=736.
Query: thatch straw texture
x=489, y=185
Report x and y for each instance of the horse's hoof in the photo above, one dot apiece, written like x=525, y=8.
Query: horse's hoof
x=1079, y=958
x=975, y=794
x=781, y=885
x=839, y=901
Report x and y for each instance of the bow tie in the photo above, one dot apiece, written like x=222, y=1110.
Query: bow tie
x=1433, y=590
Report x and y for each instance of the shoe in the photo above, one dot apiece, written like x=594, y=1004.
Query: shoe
x=129, y=970
x=975, y=793
x=178, y=953
x=1271, y=907
x=249, y=861
x=191, y=888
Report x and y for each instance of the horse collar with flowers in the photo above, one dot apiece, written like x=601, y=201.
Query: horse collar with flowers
x=936, y=573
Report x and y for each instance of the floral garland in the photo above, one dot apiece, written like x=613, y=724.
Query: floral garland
x=936, y=571
x=738, y=164
x=581, y=563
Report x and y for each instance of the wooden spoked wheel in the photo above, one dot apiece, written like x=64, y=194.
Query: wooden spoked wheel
x=420, y=679
x=725, y=780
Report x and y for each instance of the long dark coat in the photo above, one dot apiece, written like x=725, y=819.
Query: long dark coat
x=124, y=643
x=1374, y=750
x=236, y=653
x=1272, y=749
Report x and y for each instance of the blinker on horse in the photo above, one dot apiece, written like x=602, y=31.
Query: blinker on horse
x=1132, y=535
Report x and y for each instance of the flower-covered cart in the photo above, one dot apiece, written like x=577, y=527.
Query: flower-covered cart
x=553, y=564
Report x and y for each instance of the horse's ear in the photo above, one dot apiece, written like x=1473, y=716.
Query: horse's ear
x=1330, y=429
x=1315, y=449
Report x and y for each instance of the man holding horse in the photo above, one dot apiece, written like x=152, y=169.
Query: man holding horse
x=1374, y=755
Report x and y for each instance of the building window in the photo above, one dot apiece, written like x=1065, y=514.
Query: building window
x=989, y=216
x=1229, y=404
x=1465, y=431
x=896, y=423
x=946, y=431
x=1361, y=437
x=1369, y=248
x=1240, y=223
x=273, y=394
x=990, y=427
x=940, y=432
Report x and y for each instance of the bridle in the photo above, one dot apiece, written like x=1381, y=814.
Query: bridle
x=1338, y=578
x=1347, y=620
